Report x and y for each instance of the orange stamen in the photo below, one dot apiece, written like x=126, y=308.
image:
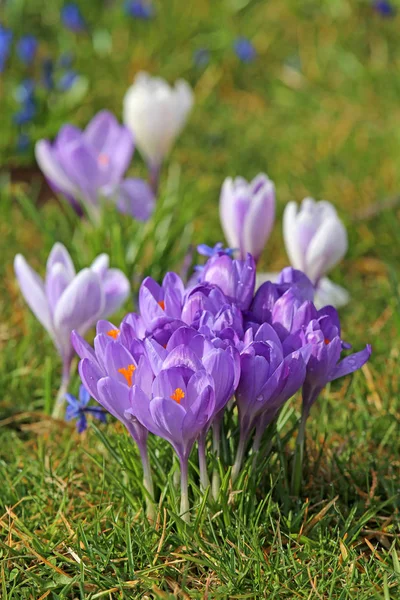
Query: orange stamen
x=103, y=159
x=113, y=333
x=161, y=304
x=327, y=341
x=178, y=395
x=128, y=373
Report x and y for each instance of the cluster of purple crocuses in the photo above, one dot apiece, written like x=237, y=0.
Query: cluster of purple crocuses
x=173, y=368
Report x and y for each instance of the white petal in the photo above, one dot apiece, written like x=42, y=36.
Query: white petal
x=290, y=236
x=329, y=293
x=59, y=254
x=259, y=220
x=227, y=213
x=326, y=249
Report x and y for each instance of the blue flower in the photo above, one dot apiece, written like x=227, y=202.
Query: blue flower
x=47, y=73
x=78, y=409
x=72, y=18
x=23, y=142
x=384, y=8
x=210, y=251
x=27, y=113
x=244, y=49
x=66, y=59
x=67, y=80
x=26, y=48
x=25, y=91
x=6, y=36
x=139, y=9
x=201, y=57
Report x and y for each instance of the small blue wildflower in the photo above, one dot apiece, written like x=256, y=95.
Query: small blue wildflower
x=201, y=57
x=26, y=114
x=139, y=9
x=66, y=59
x=210, y=251
x=6, y=36
x=78, y=409
x=26, y=48
x=47, y=73
x=23, y=143
x=72, y=18
x=24, y=92
x=67, y=80
x=244, y=49
x=384, y=8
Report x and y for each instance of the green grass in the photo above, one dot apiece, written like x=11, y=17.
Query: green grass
x=319, y=112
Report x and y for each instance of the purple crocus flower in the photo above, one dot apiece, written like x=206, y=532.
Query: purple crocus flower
x=244, y=49
x=189, y=350
x=236, y=278
x=109, y=371
x=247, y=213
x=6, y=36
x=161, y=305
x=66, y=301
x=139, y=9
x=268, y=379
x=78, y=408
x=177, y=407
x=86, y=165
x=323, y=337
x=26, y=48
x=72, y=18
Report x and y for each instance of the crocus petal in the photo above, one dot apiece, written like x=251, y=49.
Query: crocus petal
x=168, y=416
x=259, y=220
x=32, y=289
x=140, y=409
x=326, y=249
x=57, y=281
x=82, y=348
x=101, y=264
x=116, y=358
x=59, y=254
x=290, y=238
x=351, y=363
x=79, y=306
x=52, y=169
x=116, y=290
x=227, y=213
x=220, y=365
x=90, y=374
x=114, y=397
x=135, y=197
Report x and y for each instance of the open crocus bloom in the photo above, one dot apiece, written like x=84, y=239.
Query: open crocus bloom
x=90, y=164
x=247, y=213
x=156, y=113
x=316, y=240
x=66, y=301
x=236, y=278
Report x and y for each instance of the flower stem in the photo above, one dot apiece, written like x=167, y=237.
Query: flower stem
x=154, y=177
x=216, y=480
x=299, y=454
x=60, y=399
x=185, y=515
x=237, y=465
x=204, y=479
x=147, y=482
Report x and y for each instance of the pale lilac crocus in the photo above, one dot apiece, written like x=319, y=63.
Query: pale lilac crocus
x=67, y=300
x=247, y=213
x=316, y=241
x=89, y=166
